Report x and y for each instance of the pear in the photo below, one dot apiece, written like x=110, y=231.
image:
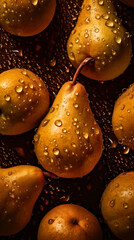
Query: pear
x=19, y=189
x=128, y=2
x=123, y=117
x=117, y=206
x=26, y=18
x=68, y=142
x=24, y=100
x=99, y=34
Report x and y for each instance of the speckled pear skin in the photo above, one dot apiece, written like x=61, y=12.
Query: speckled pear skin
x=24, y=100
x=123, y=117
x=100, y=34
x=117, y=206
x=19, y=189
x=28, y=18
x=68, y=142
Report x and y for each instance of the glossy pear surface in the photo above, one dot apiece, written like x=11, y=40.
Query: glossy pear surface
x=99, y=34
x=19, y=189
x=128, y=2
x=26, y=17
x=117, y=206
x=123, y=117
x=68, y=142
x=69, y=221
x=24, y=100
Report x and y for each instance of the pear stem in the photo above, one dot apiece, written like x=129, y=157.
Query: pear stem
x=51, y=175
x=82, y=64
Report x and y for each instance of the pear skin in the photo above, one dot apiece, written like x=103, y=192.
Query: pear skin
x=19, y=189
x=99, y=34
x=68, y=142
x=117, y=206
x=69, y=221
x=123, y=117
x=24, y=100
x=27, y=18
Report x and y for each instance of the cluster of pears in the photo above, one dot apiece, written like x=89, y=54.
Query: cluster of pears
x=117, y=206
x=24, y=101
x=68, y=142
x=27, y=18
x=99, y=34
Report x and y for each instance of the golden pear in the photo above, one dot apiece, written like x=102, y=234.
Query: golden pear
x=24, y=100
x=19, y=189
x=69, y=221
x=123, y=117
x=68, y=142
x=99, y=34
x=26, y=17
x=117, y=206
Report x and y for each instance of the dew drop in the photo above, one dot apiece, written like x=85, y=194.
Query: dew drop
x=76, y=105
x=51, y=221
x=7, y=98
x=118, y=40
x=58, y=123
x=34, y=2
x=56, y=151
x=88, y=7
x=125, y=205
x=71, y=56
x=101, y=2
x=45, y=122
x=36, y=137
x=19, y=89
x=109, y=23
x=112, y=203
x=73, y=145
x=85, y=135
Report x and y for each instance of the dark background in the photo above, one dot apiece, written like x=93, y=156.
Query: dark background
x=45, y=54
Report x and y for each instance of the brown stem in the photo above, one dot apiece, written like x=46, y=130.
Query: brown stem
x=82, y=64
x=51, y=175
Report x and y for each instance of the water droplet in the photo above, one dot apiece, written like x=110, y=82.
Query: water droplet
x=118, y=40
x=56, y=151
x=97, y=16
x=36, y=137
x=7, y=98
x=45, y=122
x=116, y=224
x=97, y=30
x=70, y=44
x=88, y=20
x=105, y=16
x=125, y=205
x=85, y=135
x=73, y=145
x=52, y=62
x=101, y=2
x=58, y=123
x=112, y=203
x=19, y=89
x=75, y=105
x=109, y=23
x=126, y=150
x=86, y=35
x=51, y=221
x=34, y=2
x=71, y=56
x=64, y=130
x=46, y=153
x=4, y=4
x=88, y=7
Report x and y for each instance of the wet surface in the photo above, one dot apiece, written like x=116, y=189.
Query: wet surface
x=45, y=54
